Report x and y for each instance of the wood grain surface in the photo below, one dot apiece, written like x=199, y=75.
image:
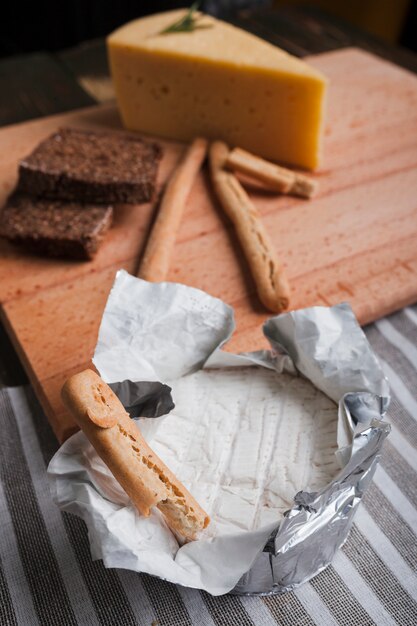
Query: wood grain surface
x=356, y=241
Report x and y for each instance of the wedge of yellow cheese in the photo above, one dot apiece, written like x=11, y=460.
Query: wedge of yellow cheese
x=218, y=81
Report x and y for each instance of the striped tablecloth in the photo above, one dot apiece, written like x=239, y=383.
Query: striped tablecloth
x=47, y=576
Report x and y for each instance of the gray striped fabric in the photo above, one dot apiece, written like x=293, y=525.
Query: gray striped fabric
x=47, y=575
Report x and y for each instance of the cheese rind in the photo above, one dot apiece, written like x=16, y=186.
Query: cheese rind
x=217, y=81
x=244, y=441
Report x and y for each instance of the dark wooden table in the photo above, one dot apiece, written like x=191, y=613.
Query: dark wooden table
x=40, y=84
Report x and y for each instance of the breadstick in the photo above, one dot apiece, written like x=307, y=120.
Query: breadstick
x=279, y=178
x=272, y=286
x=119, y=443
x=155, y=262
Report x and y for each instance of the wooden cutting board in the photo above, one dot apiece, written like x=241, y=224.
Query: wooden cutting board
x=355, y=241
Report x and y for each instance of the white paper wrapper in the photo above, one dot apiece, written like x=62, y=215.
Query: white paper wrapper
x=164, y=332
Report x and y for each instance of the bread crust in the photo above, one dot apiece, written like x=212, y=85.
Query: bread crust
x=99, y=167
x=145, y=478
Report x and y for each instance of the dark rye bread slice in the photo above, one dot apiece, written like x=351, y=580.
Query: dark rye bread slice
x=85, y=166
x=55, y=228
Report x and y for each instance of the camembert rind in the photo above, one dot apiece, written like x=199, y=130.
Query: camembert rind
x=218, y=81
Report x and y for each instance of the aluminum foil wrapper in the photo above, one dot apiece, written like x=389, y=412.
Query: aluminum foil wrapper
x=160, y=332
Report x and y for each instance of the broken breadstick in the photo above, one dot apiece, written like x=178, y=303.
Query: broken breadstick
x=271, y=283
x=155, y=262
x=275, y=177
x=119, y=443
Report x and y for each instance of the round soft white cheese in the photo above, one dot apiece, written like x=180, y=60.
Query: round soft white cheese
x=244, y=441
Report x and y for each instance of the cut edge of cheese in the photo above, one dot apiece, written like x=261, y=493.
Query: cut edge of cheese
x=218, y=81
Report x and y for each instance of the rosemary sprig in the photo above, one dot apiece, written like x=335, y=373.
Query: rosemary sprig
x=188, y=23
